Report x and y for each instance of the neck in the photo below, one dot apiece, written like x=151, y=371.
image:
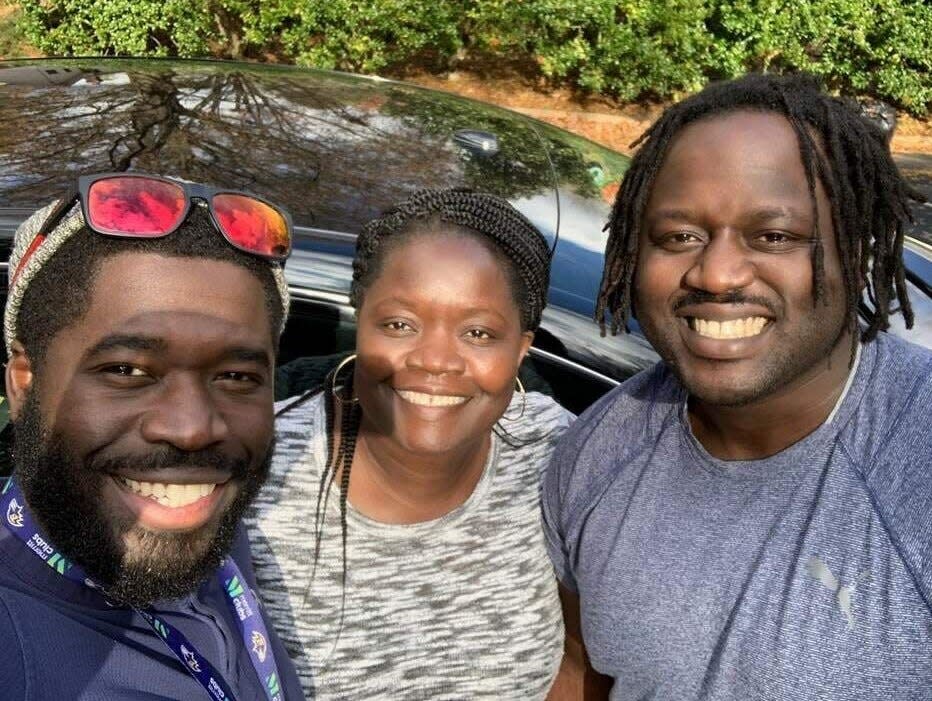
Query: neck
x=775, y=422
x=392, y=485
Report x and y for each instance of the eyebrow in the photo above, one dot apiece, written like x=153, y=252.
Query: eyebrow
x=127, y=342
x=154, y=344
x=669, y=213
x=762, y=214
x=767, y=213
x=469, y=311
x=248, y=355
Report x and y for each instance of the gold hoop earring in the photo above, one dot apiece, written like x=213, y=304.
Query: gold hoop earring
x=333, y=383
x=520, y=389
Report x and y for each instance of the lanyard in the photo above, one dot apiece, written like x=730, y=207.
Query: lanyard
x=239, y=596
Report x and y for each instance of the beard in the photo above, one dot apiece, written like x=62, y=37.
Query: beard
x=802, y=348
x=64, y=493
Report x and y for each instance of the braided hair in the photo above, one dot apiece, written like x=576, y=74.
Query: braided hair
x=843, y=149
x=518, y=246
x=489, y=219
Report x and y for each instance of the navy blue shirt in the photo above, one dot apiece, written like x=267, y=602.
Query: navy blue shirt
x=806, y=575
x=60, y=640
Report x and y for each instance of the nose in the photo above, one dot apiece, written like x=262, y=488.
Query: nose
x=184, y=415
x=436, y=353
x=721, y=266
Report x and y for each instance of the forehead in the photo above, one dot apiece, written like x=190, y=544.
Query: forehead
x=747, y=147
x=453, y=263
x=444, y=240
x=419, y=252
x=744, y=125
x=181, y=300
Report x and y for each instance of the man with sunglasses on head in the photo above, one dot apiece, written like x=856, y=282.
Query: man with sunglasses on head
x=141, y=326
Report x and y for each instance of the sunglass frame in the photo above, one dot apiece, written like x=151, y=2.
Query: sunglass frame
x=205, y=193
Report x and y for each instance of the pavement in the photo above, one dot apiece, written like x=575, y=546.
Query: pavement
x=917, y=168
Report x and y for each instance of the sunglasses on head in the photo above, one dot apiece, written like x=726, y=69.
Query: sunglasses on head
x=129, y=205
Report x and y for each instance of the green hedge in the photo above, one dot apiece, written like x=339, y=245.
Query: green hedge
x=631, y=49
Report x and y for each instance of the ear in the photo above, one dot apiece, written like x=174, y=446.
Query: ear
x=18, y=378
x=526, y=339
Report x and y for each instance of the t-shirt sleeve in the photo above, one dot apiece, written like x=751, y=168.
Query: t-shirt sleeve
x=563, y=492
x=552, y=506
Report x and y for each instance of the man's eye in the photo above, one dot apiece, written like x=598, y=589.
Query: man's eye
x=678, y=240
x=124, y=370
x=239, y=377
x=776, y=240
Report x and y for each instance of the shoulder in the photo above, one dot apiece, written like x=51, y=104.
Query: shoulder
x=529, y=430
x=618, y=431
x=908, y=387
x=901, y=374
x=527, y=434
x=632, y=412
x=887, y=439
x=300, y=423
x=626, y=421
x=13, y=660
x=894, y=406
x=299, y=455
x=298, y=413
x=535, y=416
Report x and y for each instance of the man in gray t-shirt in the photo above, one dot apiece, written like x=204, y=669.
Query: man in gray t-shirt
x=750, y=519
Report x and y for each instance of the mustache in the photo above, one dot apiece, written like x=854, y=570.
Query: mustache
x=735, y=297
x=172, y=457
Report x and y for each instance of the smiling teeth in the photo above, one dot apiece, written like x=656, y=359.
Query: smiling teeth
x=423, y=399
x=172, y=495
x=732, y=328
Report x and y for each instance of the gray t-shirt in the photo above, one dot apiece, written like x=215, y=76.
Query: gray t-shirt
x=461, y=607
x=806, y=575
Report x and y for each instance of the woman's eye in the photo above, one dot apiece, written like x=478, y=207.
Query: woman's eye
x=479, y=335
x=398, y=326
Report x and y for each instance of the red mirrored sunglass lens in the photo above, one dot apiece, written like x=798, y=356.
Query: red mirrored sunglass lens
x=135, y=206
x=252, y=225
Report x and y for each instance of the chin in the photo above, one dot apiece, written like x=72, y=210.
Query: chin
x=420, y=446
x=161, y=565
x=731, y=389
x=727, y=396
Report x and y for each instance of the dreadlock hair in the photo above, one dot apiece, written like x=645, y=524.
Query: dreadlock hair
x=518, y=246
x=58, y=297
x=837, y=144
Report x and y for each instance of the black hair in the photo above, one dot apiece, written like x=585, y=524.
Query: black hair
x=845, y=150
x=60, y=293
x=515, y=242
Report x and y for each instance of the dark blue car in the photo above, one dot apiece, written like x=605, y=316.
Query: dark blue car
x=336, y=150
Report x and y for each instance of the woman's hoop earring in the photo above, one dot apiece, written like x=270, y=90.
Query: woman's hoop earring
x=520, y=389
x=333, y=383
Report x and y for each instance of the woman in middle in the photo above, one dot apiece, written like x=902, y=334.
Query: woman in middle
x=398, y=541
